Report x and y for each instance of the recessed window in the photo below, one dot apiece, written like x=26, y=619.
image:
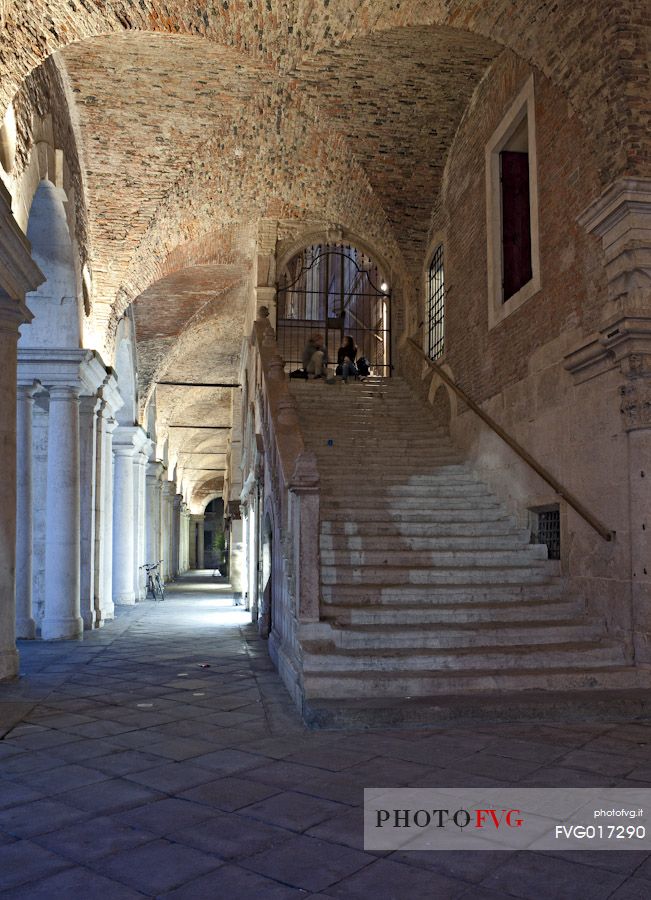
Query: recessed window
x=512, y=209
x=436, y=305
x=516, y=212
x=546, y=529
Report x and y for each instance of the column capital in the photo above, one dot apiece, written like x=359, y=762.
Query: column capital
x=130, y=436
x=27, y=390
x=61, y=392
x=78, y=368
x=109, y=392
x=155, y=470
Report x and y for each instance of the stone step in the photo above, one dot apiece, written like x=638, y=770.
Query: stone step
x=571, y=654
x=426, y=506
x=456, y=514
x=477, y=613
x=456, y=635
x=364, y=596
x=609, y=694
x=392, y=557
x=335, y=478
x=395, y=494
x=513, y=540
x=494, y=528
x=461, y=574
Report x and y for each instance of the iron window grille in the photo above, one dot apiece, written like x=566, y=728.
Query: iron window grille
x=547, y=530
x=436, y=306
x=334, y=289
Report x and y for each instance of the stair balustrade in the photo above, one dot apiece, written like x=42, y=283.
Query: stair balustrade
x=294, y=485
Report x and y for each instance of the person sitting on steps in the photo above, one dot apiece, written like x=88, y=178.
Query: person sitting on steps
x=315, y=357
x=346, y=356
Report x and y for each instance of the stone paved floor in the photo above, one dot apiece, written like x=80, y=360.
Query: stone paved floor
x=161, y=758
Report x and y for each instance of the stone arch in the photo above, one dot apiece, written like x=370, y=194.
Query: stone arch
x=287, y=250
x=57, y=320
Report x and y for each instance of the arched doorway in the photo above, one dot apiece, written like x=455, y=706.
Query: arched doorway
x=335, y=289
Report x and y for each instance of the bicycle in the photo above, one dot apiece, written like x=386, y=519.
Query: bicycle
x=155, y=586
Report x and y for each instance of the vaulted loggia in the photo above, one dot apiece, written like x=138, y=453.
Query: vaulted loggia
x=464, y=189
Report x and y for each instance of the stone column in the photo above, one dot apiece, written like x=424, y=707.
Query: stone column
x=19, y=274
x=106, y=605
x=10, y=318
x=141, y=461
x=154, y=510
x=62, y=619
x=176, y=534
x=236, y=566
x=192, y=561
x=124, y=453
x=25, y=625
x=167, y=536
x=88, y=420
x=201, y=550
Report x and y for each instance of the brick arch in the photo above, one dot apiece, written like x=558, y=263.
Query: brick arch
x=314, y=178
x=568, y=49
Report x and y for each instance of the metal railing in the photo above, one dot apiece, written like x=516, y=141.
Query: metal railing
x=562, y=491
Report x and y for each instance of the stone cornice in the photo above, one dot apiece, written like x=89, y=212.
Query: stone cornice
x=58, y=368
x=616, y=203
x=19, y=274
x=621, y=217
x=131, y=437
x=624, y=343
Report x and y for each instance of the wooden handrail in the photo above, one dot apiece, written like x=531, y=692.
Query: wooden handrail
x=569, y=498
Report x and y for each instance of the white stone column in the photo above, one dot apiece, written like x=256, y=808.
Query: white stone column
x=168, y=529
x=141, y=461
x=124, y=453
x=41, y=413
x=88, y=409
x=25, y=625
x=107, y=607
x=236, y=564
x=62, y=619
x=176, y=534
x=201, y=549
x=18, y=275
x=154, y=510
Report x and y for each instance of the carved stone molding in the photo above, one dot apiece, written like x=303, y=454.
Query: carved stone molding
x=621, y=217
x=623, y=343
x=636, y=403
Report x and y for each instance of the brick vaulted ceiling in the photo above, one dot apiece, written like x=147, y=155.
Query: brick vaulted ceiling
x=182, y=138
x=196, y=119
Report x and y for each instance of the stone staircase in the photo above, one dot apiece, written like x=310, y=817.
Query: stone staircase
x=429, y=588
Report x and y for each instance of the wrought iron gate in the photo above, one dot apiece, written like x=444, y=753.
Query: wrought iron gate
x=334, y=290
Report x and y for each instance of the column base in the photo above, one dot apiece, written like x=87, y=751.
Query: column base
x=106, y=613
x=126, y=598
x=9, y=662
x=26, y=629
x=90, y=620
x=64, y=629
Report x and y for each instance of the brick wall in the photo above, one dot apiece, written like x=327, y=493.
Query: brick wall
x=573, y=282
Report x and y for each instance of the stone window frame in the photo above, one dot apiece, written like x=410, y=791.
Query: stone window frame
x=523, y=105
